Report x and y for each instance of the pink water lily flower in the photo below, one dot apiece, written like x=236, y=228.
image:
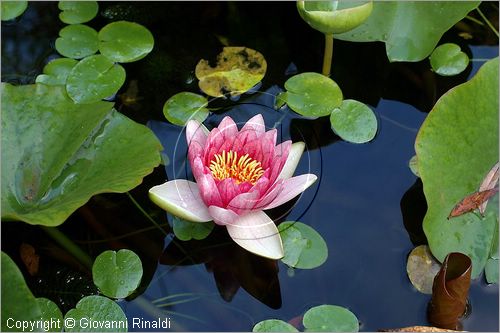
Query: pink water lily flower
x=238, y=173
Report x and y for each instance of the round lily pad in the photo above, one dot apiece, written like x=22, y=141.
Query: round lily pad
x=77, y=41
x=185, y=230
x=56, y=72
x=94, y=78
x=273, y=325
x=184, y=106
x=117, y=274
x=95, y=314
x=448, y=59
x=354, y=121
x=303, y=246
x=312, y=95
x=330, y=318
x=75, y=12
x=50, y=311
x=422, y=267
x=413, y=165
x=238, y=69
x=12, y=9
x=125, y=41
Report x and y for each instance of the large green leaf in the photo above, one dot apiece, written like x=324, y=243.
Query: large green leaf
x=18, y=302
x=456, y=147
x=410, y=29
x=57, y=154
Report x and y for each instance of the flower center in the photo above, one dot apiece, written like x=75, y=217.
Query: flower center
x=242, y=169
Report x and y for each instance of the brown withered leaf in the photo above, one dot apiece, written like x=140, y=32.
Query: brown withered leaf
x=30, y=259
x=489, y=182
x=472, y=202
x=449, y=291
x=418, y=329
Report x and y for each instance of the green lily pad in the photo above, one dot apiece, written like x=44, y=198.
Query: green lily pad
x=409, y=29
x=57, y=154
x=413, y=165
x=354, y=121
x=117, y=275
x=330, y=318
x=238, y=69
x=13, y=9
x=273, y=325
x=491, y=268
x=94, y=78
x=56, y=72
x=312, y=95
x=125, y=41
x=95, y=314
x=185, y=230
x=303, y=246
x=18, y=302
x=77, y=41
x=456, y=147
x=421, y=268
x=50, y=314
x=334, y=17
x=448, y=59
x=184, y=106
x=75, y=12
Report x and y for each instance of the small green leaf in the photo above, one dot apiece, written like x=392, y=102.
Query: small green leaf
x=273, y=325
x=56, y=72
x=413, y=165
x=75, y=12
x=12, y=9
x=117, y=275
x=354, y=121
x=421, y=268
x=312, y=95
x=448, y=59
x=303, y=246
x=51, y=315
x=330, y=318
x=77, y=41
x=185, y=230
x=125, y=41
x=94, y=78
x=95, y=314
x=184, y=106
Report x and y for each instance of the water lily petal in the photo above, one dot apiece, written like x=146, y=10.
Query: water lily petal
x=208, y=190
x=228, y=127
x=291, y=188
x=244, y=203
x=292, y=160
x=256, y=124
x=257, y=233
x=197, y=132
x=181, y=198
x=228, y=189
x=222, y=216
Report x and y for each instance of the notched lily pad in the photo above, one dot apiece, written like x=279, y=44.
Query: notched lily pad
x=238, y=69
x=330, y=318
x=117, y=274
x=124, y=41
x=56, y=72
x=94, y=78
x=106, y=316
x=77, y=41
x=422, y=267
x=75, y=12
x=185, y=230
x=50, y=313
x=56, y=154
x=273, y=325
x=303, y=246
x=448, y=59
x=312, y=95
x=184, y=106
x=13, y=9
x=354, y=121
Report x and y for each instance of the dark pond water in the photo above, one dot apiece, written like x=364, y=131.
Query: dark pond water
x=366, y=204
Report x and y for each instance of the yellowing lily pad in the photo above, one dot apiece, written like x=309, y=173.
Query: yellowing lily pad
x=422, y=267
x=238, y=69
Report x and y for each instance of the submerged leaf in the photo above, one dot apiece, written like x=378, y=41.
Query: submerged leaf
x=184, y=106
x=185, y=230
x=238, y=69
x=57, y=154
x=450, y=290
x=447, y=59
x=75, y=12
x=472, y=202
x=330, y=318
x=77, y=41
x=29, y=257
x=273, y=325
x=413, y=165
x=12, y=9
x=354, y=121
x=422, y=267
x=105, y=313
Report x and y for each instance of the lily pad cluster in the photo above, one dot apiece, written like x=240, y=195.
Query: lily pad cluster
x=322, y=318
x=95, y=76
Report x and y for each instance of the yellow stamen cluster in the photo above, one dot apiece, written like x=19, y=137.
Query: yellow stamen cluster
x=242, y=169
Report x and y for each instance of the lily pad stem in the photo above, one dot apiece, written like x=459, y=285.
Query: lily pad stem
x=327, y=57
x=485, y=19
x=68, y=245
x=138, y=206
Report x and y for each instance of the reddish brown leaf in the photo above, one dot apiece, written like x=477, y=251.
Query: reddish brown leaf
x=29, y=258
x=417, y=329
x=472, y=202
x=489, y=182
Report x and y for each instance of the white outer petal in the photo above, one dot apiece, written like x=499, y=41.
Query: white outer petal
x=292, y=160
x=181, y=198
x=257, y=233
